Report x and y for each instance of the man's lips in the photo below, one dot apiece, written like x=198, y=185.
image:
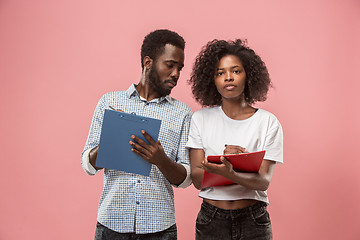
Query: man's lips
x=171, y=83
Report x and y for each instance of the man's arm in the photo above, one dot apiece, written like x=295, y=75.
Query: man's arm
x=85, y=162
x=154, y=153
x=92, y=157
x=89, y=154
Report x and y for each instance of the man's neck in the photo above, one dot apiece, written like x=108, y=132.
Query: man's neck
x=146, y=91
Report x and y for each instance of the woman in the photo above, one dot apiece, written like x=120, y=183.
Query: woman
x=228, y=78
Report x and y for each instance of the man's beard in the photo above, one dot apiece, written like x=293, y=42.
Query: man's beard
x=155, y=82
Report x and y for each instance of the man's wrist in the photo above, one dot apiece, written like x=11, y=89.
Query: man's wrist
x=164, y=162
x=92, y=157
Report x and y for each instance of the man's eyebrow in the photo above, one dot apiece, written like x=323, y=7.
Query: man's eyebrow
x=175, y=62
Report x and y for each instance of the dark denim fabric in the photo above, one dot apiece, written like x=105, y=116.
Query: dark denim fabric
x=251, y=223
x=104, y=233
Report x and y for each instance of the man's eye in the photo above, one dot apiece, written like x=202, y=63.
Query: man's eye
x=170, y=65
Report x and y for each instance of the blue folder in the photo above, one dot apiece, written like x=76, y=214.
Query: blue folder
x=114, y=148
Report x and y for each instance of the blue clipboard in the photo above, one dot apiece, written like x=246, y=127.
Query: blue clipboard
x=114, y=148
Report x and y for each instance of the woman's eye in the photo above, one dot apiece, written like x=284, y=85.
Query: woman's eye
x=219, y=73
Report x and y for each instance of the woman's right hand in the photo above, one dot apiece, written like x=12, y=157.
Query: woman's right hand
x=234, y=149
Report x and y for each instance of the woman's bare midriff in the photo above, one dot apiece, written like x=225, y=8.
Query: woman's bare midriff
x=232, y=204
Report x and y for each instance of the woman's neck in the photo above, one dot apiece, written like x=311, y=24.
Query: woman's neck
x=237, y=110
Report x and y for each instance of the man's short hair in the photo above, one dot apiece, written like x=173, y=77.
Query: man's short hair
x=154, y=43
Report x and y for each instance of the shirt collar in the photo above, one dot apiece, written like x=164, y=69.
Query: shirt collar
x=131, y=91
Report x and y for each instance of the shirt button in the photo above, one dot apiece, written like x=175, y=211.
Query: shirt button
x=137, y=202
x=138, y=181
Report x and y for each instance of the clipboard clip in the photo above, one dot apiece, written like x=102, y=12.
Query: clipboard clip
x=131, y=118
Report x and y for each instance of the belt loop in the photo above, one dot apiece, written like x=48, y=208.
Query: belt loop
x=210, y=209
x=214, y=212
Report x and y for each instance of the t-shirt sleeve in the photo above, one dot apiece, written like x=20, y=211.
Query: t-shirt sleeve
x=274, y=143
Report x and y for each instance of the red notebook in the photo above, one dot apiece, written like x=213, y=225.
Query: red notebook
x=243, y=162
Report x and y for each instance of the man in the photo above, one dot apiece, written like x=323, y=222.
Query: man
x=133, y=206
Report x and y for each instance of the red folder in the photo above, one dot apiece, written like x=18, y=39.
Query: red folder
x=243, y=162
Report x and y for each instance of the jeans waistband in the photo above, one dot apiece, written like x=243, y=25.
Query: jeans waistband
x=211, y=209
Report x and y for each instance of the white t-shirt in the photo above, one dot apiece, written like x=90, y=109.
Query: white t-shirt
x=211, y=129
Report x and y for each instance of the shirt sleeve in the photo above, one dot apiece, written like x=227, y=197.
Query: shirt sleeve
x=187, y=182
x=88, y=168
x=183, y=156
x=94, y=133
x=183, y=153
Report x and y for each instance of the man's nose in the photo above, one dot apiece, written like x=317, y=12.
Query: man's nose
x=175, y=73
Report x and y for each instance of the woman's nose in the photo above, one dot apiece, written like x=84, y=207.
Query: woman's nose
x=229, y=77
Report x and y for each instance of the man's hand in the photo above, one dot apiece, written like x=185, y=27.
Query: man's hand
x=153, y=153
x=234, y=149
x=119, y=110
x=92, y=157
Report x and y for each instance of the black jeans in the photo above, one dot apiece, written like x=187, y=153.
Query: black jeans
x=248, y=223
x=104, y=233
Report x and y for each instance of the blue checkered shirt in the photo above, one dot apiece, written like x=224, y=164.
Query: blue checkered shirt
x=132, y=202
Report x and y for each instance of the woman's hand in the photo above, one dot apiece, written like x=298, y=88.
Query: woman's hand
x=224, y=169
x=234, y=149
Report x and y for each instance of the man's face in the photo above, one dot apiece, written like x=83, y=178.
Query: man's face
x=165, y=71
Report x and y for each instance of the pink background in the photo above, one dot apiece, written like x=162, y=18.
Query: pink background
x=58, y=57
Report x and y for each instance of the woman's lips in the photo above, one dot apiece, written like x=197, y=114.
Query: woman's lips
x=229, y=86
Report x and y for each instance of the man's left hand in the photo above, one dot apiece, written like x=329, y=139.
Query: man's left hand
x=153, y=153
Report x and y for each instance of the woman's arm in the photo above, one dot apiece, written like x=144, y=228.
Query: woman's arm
x=256, y=181
x=197, y=156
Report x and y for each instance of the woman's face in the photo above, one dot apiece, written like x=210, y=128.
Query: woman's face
x=230, y=78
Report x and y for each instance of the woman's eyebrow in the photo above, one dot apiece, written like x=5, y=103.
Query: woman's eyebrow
x=230, y=67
